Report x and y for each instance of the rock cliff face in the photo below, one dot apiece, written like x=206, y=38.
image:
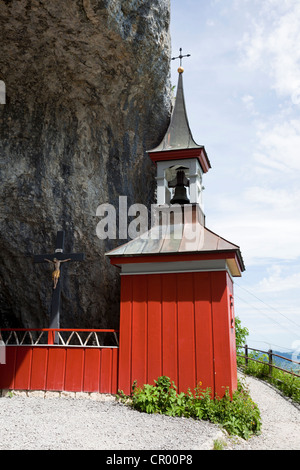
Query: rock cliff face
x=87, y=93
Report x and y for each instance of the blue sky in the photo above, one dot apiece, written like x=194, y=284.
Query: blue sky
x=242, y=92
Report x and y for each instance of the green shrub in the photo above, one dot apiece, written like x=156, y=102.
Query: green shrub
x=288, y=384
x=256, y=369
x=239, y=415
x=241, y=333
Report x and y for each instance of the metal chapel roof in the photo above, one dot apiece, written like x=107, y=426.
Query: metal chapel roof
x=185, y=236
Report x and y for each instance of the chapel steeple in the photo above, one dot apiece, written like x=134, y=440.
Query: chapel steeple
x=179, y=156
x=178, y=135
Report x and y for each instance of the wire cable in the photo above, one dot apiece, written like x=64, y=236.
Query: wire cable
x=273, y=344
x=270, y=318
x=269, y=306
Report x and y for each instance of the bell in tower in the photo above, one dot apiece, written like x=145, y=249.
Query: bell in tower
x=180, y=183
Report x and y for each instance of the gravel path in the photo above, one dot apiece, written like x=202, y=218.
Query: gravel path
x=36, y=423
x=280, y=418
x=64, y=423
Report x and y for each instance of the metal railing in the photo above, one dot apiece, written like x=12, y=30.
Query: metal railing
x=59, y=337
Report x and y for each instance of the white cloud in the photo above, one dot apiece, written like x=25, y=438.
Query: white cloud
x=278, y=146
x=272, y=46
x=278, y=282
x=210, y=22
x=248, y=101
x=262, y=221
x=278, y=199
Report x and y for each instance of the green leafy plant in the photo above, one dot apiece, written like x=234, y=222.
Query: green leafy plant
x=218, y=445
x=238, y=414
x=241, y=333
x=159, y=398
x=257, y=369
x=288, y=384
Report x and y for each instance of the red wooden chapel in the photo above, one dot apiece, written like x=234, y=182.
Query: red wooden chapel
x=176, y=309
x=176, y=312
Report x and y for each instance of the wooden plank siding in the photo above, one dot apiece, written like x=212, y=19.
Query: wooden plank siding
x=178, y=325
x=60, y=368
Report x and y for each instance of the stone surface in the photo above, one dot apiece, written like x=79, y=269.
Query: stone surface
x=36, y=393
x=88, y=91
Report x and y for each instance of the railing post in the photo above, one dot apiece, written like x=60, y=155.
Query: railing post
x=246, y=355
x=50, y=337
x=270, y=353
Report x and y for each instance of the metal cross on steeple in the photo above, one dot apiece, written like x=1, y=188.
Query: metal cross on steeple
x=181, y=56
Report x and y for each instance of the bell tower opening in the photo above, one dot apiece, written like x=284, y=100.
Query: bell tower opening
x=167, y=172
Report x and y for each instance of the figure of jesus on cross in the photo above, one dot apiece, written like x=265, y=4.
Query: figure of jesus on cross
x=56, y=272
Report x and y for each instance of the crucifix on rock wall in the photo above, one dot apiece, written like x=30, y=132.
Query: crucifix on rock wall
x=56, y=259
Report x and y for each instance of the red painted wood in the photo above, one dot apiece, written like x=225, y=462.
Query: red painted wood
x=74, y=369
x=125, y=378
x=175, y=154
x=203, y=331
x=60, y=368
x=106, y=371
x=56, y=368
x=186, y=332
x=232, y=339
x=23, y=367
x=139, y=330
x=115, y=365
x=51, y=337
x=222, y=337
x=7, y=371
x=178, y=325
x=154, y=328
x=91, y=372
x=38, y=368
x=182, y=154
x=169, y=327
x=168, y=258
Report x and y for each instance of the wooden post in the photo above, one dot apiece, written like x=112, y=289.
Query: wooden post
x=246, y=355
x=270, y=353
x=51, y=337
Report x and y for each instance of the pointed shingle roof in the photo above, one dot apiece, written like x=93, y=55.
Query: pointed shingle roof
x=179, y=137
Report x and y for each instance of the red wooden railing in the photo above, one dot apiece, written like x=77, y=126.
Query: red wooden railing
x=81, y=360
